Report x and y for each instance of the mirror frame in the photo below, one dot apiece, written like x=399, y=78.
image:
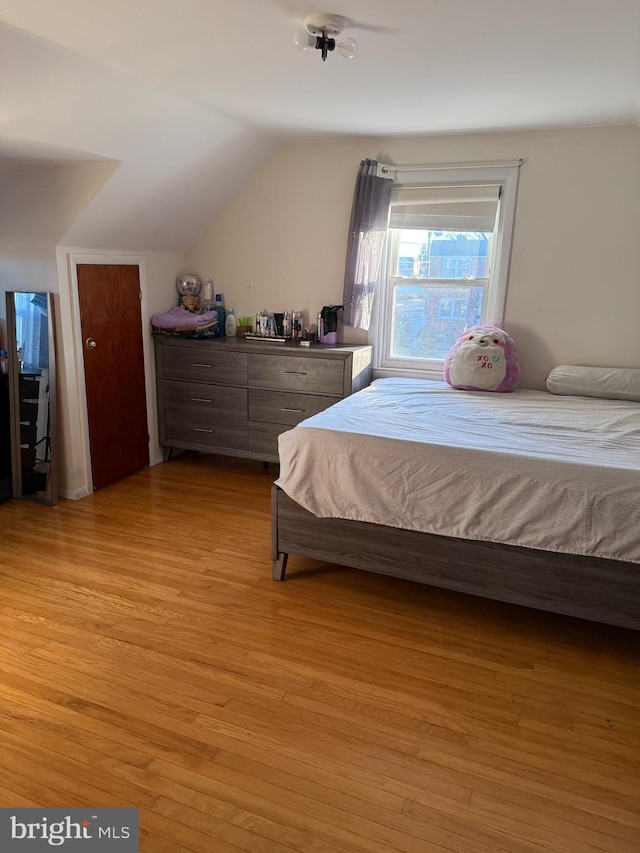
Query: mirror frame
x=50, y=497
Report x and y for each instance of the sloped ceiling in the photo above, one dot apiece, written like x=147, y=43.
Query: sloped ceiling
x=190, y=95
x=178, y=162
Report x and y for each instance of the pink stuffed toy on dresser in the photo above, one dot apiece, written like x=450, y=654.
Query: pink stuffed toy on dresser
x=484, y=358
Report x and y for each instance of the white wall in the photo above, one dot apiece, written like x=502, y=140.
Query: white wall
x=38, y=202
x=573, y=291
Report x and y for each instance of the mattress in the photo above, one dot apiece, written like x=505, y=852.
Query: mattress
x=528, y=468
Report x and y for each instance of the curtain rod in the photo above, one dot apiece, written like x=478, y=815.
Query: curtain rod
x=387, y=168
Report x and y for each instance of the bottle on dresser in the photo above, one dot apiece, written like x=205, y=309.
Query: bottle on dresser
x=231, y=324
x=221, y=313
x=296, y=325
x=207, y=302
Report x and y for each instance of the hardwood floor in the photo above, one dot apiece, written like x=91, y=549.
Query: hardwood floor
x=147, y=659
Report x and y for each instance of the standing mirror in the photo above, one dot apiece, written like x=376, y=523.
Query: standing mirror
x=32, y=391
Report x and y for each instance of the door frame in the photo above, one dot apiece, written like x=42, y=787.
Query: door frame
x=75, y=258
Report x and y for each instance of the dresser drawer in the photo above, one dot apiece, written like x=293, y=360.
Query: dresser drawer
x=263, y=437
x=214, y=432
x=209, y=401
x=282, y=407
x=204, y=365
x=296, y=373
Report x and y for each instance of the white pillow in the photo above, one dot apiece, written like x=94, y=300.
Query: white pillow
x=613, y=383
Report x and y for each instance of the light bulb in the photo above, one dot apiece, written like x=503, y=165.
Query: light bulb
x=303, y=40
x=347, y=47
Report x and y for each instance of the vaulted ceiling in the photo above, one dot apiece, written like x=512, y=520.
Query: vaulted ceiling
x=189, y=96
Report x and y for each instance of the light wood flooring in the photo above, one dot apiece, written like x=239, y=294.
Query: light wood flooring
x=147, y=659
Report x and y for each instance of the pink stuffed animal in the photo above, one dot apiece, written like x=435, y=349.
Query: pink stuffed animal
x=484, y=358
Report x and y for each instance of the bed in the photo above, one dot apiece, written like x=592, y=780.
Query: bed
x=529, y=497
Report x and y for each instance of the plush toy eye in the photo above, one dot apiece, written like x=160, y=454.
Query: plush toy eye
x=496, y=341
x=470, y=337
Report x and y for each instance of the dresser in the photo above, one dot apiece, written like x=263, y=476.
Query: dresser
x=234, y=397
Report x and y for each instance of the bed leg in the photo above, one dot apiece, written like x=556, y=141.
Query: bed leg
x=279, y=567
x=278, y=557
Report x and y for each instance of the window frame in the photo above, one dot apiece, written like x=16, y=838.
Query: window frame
x=505, y=176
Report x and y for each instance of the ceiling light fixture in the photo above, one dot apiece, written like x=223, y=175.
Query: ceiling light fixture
x=322, y=32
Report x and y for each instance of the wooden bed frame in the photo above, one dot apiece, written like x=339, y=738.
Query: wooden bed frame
x=600, y=590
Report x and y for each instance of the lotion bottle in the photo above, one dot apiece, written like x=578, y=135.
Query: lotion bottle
x=231, y=324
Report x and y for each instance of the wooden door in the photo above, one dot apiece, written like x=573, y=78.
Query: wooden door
x=111, y=323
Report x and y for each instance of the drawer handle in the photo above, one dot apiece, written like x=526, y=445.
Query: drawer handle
x=199, y=429
x=200, y=400
x=295, y=373
x=299, y=411
x=197, y=364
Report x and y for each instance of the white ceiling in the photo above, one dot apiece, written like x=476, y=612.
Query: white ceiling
x=171, y=87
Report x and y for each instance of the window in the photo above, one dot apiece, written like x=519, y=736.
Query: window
x=447, y=257
x=452, y=308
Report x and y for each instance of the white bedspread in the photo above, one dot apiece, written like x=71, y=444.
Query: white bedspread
x=529, y=468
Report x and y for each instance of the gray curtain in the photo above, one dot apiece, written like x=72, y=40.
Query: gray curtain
x=367, y=231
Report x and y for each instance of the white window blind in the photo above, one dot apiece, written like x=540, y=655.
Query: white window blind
x=442, y=208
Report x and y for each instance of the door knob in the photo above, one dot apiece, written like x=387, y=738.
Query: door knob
x=90, y=343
